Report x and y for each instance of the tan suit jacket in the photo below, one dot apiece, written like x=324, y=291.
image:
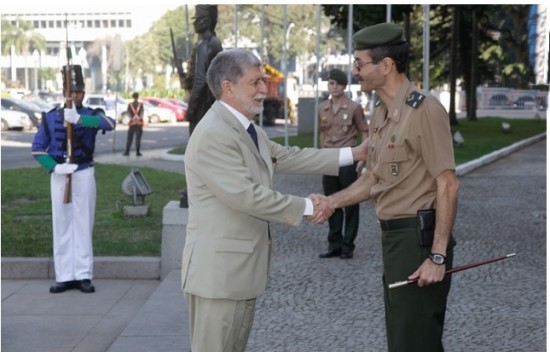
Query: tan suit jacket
x=231, y=203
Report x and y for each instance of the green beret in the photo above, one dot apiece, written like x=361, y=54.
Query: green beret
x=382, y=34
x=339, y=76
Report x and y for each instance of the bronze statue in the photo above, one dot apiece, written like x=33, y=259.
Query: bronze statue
x=200, y=98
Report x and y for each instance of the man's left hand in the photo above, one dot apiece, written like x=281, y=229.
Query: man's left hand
x=428, y=273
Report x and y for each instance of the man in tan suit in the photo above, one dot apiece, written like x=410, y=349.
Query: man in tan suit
x=226, y=257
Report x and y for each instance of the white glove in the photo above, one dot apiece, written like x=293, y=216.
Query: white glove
x=65, y=168
x=71, y=116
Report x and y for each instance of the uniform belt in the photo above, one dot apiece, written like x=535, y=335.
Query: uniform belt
x=396, y=224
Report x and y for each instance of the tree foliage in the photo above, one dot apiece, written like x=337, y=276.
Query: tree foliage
x=22, y=37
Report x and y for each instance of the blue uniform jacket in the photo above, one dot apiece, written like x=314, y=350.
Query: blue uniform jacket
x=51, y=137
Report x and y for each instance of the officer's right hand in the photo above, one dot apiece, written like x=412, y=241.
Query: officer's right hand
x=65, y=169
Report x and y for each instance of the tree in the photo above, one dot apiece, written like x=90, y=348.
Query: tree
x=21, y=36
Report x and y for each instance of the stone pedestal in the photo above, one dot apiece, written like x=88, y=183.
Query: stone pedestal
x=136, y=210
x=174, y=223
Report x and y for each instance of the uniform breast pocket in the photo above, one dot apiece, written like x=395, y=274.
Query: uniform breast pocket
x=394, y=158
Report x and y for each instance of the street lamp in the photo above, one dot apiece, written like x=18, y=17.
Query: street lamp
x=36, y=59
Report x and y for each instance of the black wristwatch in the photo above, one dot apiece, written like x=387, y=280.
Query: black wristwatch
x=437, y=258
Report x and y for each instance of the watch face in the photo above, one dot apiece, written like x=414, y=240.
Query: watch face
x=438, y=259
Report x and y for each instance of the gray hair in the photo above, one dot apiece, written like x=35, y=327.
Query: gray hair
x=229, y=65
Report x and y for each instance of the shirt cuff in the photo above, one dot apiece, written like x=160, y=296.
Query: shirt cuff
x=346, y=157
x=309, y=207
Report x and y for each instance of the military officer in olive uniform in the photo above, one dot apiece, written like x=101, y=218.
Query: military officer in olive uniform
x=340, y=121
x=410, y=167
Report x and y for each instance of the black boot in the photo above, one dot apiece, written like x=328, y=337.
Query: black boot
x=86, y=286
x=63, y=286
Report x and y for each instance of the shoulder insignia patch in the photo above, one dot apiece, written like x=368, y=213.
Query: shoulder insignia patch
x=415, y=99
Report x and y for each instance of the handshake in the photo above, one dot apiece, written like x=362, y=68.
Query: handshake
x=323, y=208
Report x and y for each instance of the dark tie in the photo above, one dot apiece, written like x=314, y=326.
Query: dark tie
x=252, y=131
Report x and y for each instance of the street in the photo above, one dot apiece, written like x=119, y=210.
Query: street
x=16, y=145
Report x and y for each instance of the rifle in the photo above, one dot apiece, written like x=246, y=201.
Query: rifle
x=68, y=126
x=177, y=62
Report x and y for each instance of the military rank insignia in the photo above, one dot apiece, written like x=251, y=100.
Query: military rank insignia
x=415, y=99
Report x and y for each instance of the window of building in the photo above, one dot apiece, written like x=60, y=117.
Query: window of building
x=113, y=23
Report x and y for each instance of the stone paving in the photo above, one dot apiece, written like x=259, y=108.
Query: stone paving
x=319, y=305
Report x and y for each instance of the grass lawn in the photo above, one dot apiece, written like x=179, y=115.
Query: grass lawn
x=26, y=209
x=26, y=212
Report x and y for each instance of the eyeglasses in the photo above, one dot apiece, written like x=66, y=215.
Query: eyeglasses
x=358, y=64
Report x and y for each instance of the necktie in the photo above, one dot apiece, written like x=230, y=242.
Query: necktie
x=252, y=131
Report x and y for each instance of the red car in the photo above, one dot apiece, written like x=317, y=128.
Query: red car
x=178, y=110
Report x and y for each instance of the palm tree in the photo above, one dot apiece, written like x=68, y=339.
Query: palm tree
x=22, y=38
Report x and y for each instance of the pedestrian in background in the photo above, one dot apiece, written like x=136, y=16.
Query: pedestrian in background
x=135, y=126
x=73, y=222
x=410, y=175
x=229, y=167
x=341, y=120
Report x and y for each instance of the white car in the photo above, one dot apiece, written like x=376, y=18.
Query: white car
x=13, y=119
x=98, y=101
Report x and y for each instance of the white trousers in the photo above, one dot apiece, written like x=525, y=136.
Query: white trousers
x=73, y=225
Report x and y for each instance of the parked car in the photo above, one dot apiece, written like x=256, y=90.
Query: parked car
x=178, y=102
x=13, y=119
x=98, y=101
x=530, y=102
x=41, y=104
x=500, y=100
x=157, y=114
x=178, y=110
x=34, y=113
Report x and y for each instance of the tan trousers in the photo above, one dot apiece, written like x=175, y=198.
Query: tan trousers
x=219, y=325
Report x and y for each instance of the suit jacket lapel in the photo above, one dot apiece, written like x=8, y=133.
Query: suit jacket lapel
x=263, y=154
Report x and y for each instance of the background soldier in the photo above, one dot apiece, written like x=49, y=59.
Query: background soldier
x=135, y=126
x=340, y=121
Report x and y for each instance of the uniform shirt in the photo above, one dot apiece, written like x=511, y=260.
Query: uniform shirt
x=51, y=137
x=339, y=129
x=410, y=144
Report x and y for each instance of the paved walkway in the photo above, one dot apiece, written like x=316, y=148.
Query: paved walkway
x=327, y=305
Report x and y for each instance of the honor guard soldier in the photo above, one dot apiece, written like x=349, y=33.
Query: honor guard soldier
x=340, y=121
x=73, y=221
x=410, y=171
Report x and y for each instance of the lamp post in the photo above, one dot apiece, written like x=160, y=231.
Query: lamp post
x=36, y=59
